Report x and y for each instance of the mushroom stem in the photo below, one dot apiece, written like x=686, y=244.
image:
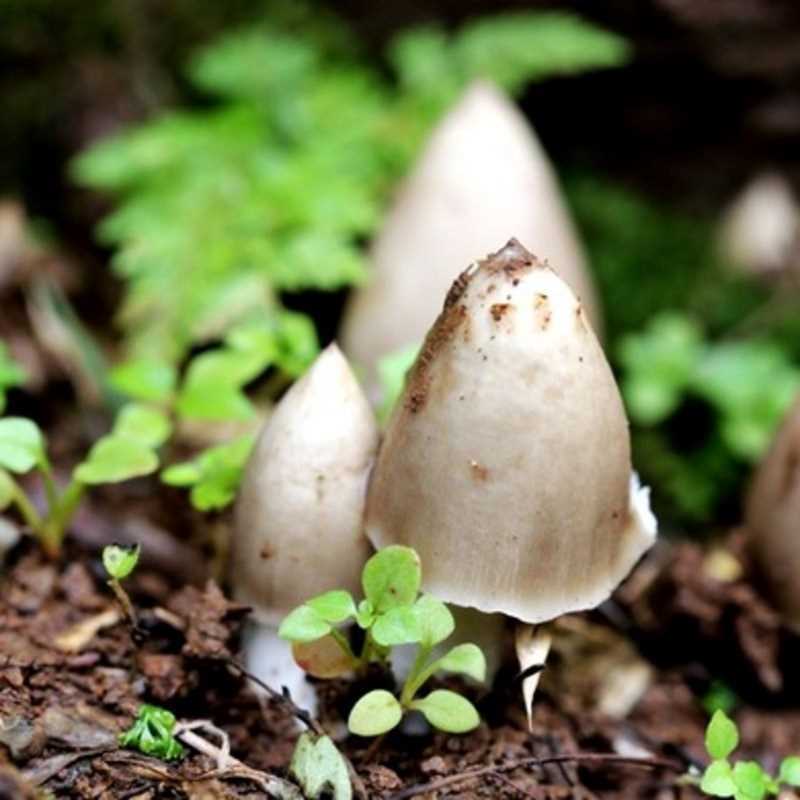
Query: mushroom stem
x=532, y=643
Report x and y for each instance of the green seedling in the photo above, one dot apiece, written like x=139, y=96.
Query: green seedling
x=152, y=733
x=128, y=451
x=11, y=374
x=391, y=614
x=742, y=780
x=119, y=562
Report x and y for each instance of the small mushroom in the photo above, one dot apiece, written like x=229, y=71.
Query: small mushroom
x=772, y=516
x=760, y=231
x=482, y=177
x=506, y=463
x=298, y=529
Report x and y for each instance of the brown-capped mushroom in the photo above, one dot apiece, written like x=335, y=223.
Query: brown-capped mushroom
x=298, y=529
x=482, y=178
x=772, y=515
x=506, y=464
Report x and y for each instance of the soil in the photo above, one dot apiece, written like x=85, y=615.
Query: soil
x=73, y=673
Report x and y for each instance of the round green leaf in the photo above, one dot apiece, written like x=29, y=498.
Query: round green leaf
x=397, y=626
x=118, y=561
x=750, y=779
x=722, y=736
x=303, y=624
x=21, y=444
x=185, y=474
x=448, y=711
x=144, y=424
x=116, y=458
x=790, y=771
x=718, y=780
x=435, y=620
x=334, y=606
x=375, y=713
x=6, y=490
x=466, y=659
x=391, y=578
x=144, y=379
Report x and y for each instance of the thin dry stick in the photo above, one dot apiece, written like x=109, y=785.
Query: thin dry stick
x=508, y=766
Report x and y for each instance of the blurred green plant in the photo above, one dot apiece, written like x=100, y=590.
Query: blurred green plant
x=274, y=187
x=152, y=733
x=11, y=374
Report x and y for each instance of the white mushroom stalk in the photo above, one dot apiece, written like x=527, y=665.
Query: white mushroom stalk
x=506, y=464
x=298, y=529
x=482, y=178
x=772, y=516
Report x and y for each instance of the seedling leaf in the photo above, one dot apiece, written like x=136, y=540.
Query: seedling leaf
x=466, y=659
x=116, y=458
x=144, y=379
x=144, y=424
x=21, y=444
x=151, y=733
x=319, y=767
x=750, y=779
x=322, y=658
x=448, y=711
x=375, y=713
x=391, y=578
x=399, y=625
x=119, y=561
x=334, y=606
x=790, y=771
x=718, y=779
x=722, y=736
x=304, y=624
x=10, y=374
x=436, y=622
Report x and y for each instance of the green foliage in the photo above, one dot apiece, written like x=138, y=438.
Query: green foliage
x=273, y=188
x=21, y=444
x=392, y=614
x=152, y=733
x=11, y=374
x=392, y=370
x=320, y=768
x=742, y=780
x=119, y=562
x=214, y=475
x=719, y=697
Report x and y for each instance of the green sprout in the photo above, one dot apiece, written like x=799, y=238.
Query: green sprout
x=11, y=374
x=391, y=614
x=152, y=733
x=742, y=780
x=128, y=451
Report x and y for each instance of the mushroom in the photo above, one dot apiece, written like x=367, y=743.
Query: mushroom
x=298, y=528
x=772, y=516
x=506, y=463
x=762, y=226
x=482, y=177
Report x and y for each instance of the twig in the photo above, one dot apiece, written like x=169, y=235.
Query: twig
x=508, y=766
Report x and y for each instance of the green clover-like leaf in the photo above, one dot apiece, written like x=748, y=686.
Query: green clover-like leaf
x=718, y=779
x=751, y=780
x=119, y=561
x=151, y=733
x=144, y=379
x=116, y=458
x=722, y=735
x=790, y=771
x=146, y=425
x=375, y=713
x=397, y=626
x=304, y=624
x=21, y=444
x=319, y=767
x=435, y=620
x=448, y=711
x=391, y=578
x=466, y=659
x=334, y=606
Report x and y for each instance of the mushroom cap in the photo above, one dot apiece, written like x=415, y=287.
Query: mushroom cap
x=772, y=515
x=482, y=178
x=298, y=525
x=506, y=463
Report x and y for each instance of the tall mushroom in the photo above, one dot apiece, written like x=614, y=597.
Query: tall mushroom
x=772, y=516
x=298, y=529
x=506, y=463
x=482, y=178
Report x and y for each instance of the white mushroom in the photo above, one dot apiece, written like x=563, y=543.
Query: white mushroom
x=482, y=178
x=772, y=515
x=298, y=529
x=761, y=226
x=506, y=464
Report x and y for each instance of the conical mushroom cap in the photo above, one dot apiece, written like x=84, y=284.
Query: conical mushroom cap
x=773, y=518
x=298, y=529
x=506, y=463
x=482, y=178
